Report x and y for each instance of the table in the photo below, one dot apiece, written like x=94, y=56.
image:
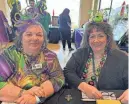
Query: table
x=74, y=96
x=54, y=34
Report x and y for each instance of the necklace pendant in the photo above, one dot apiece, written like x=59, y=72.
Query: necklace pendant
x=68, y=97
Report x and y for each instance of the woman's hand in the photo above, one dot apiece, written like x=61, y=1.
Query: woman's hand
x=38, y=91
x=26, y=99
x=124, y=97
x=90, y=91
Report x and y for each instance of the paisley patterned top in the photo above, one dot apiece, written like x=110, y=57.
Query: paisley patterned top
x=15, y=70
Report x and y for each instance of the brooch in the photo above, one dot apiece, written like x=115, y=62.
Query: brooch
x=68, y=97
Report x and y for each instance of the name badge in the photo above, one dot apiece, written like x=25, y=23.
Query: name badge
x=36, y=66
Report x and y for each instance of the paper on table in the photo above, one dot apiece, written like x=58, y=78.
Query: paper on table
x=85, y=98
x=106, y=96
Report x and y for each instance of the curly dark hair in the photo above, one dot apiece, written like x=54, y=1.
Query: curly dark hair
x=101, y=26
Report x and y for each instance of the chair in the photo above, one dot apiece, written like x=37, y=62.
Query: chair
x=78, y=37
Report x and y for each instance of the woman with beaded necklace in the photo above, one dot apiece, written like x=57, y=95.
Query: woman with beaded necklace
x=98, y=64
x=29, y=72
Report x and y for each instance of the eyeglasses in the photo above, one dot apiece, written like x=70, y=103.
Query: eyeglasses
x=108, y=95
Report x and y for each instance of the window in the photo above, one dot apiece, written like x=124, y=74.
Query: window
x=23, y=4
x=118, y=3
x=59, y=5
x=115, y=3
x=105, y=4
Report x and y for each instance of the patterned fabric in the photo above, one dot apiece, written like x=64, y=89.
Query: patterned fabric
x=14, y=69
x=3, y=34
x=92, y=70
x=32, y=12
x=45, y=20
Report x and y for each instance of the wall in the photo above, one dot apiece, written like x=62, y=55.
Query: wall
x=85, y=6
x=3, y=6
x=95, y=6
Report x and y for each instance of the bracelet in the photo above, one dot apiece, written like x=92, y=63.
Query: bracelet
x=37, y=100
x=21, y=92
x=42, y=99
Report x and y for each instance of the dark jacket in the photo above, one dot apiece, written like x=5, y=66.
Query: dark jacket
x=63, y=21
x=113, y=75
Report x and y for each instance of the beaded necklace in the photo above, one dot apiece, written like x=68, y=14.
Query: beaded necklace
x=96, y=70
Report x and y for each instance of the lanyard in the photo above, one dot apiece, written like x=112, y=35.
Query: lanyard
x=93, y=63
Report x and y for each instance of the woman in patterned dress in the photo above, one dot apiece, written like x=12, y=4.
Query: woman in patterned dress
x=29, y=72
x=3, y=28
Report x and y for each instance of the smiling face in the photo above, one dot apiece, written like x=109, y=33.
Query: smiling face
x=32, y=39
x=97, y=41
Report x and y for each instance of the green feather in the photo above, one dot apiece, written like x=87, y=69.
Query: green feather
x=22, y=62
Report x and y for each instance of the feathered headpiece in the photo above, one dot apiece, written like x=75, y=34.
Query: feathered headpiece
x=23, y=24
x=41, y=5
x=100, y=16
x=11, y=2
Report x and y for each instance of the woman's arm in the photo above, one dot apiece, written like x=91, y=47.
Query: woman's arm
x=56, y=80
x=90, y=91
x=124, y=97
x=70, y=70
x=9, y=93
x=76, y=62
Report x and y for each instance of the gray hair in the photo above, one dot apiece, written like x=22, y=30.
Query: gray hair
x=18, y=41
x=102, y=26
